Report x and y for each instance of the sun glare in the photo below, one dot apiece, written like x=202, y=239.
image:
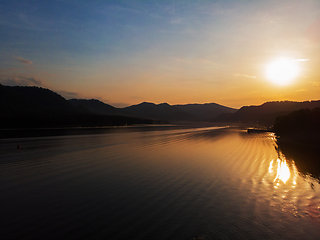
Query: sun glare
x=282, y=71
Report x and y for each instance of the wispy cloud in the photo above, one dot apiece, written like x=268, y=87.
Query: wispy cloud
x=205, y=61
x=216, y=9
x=301, y=60
x=117, y=8
x=301, y=90
x=176, y=21
x=24, y=81
x=194, y=61
x=25, y=19
x=68, y=95
x=313, y=32
x=136, y=97
x=182, y=60
x=243, y=75
x=22, y=60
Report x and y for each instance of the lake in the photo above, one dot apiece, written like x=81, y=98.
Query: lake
x=155, y=183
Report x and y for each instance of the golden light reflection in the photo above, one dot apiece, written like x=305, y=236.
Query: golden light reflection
x=283, y=171
x=271, y=167
x=295, y=174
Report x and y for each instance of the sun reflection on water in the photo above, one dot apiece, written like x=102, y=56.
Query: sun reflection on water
x=271, y=167
x=282, y=172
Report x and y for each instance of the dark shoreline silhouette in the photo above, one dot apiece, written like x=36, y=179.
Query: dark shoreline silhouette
x=34, y=107
x=266, y=113
x=298, y=137
x=299, y=127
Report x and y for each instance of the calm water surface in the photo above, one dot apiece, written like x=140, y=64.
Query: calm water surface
x=197, y=183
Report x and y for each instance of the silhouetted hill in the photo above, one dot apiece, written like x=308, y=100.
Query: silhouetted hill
x=187, y=112
x=39, y=107
x=304, y=122
x=97, y=107
x=298, y=137
x=205, y=111
x=266, y=113
x=34, y=107
x=21, y=101
x=162, y=111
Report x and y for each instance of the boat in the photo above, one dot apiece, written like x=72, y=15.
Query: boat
x=255, y=130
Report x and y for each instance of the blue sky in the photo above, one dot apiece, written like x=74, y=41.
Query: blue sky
x=125, y=52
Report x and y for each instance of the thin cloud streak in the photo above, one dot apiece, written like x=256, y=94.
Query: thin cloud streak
x=176, y=21
x=196, y=61
x=24, y=81
x=68, y=95
x=22, y=60
x=243, y=75
x=181, y=60
x=301, y=60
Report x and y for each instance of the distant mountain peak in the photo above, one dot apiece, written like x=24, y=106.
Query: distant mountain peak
x=145, y=103
x=164, y=104
x=97, y=107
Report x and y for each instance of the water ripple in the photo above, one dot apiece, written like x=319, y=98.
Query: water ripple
x=176, y=184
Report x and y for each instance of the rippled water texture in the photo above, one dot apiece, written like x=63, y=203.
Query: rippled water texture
x=176, y=184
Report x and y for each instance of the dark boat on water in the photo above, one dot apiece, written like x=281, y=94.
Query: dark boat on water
x=255, y=130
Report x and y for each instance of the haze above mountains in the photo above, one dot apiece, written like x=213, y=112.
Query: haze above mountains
x=23, y=106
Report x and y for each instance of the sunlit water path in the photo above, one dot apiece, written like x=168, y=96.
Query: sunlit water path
x=208, y=183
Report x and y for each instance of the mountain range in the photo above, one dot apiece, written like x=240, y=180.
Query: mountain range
x=34, y=107
x=162, y=111
x=96, y=107
x=266, y=113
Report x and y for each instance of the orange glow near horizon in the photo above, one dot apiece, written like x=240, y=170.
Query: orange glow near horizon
x=261, y=52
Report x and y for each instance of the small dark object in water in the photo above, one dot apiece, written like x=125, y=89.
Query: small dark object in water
x=18, y=147
x=253, y=130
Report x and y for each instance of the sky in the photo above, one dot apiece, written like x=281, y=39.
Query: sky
x=127, y=52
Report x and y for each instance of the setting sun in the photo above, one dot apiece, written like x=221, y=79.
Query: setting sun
x=282, y=71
